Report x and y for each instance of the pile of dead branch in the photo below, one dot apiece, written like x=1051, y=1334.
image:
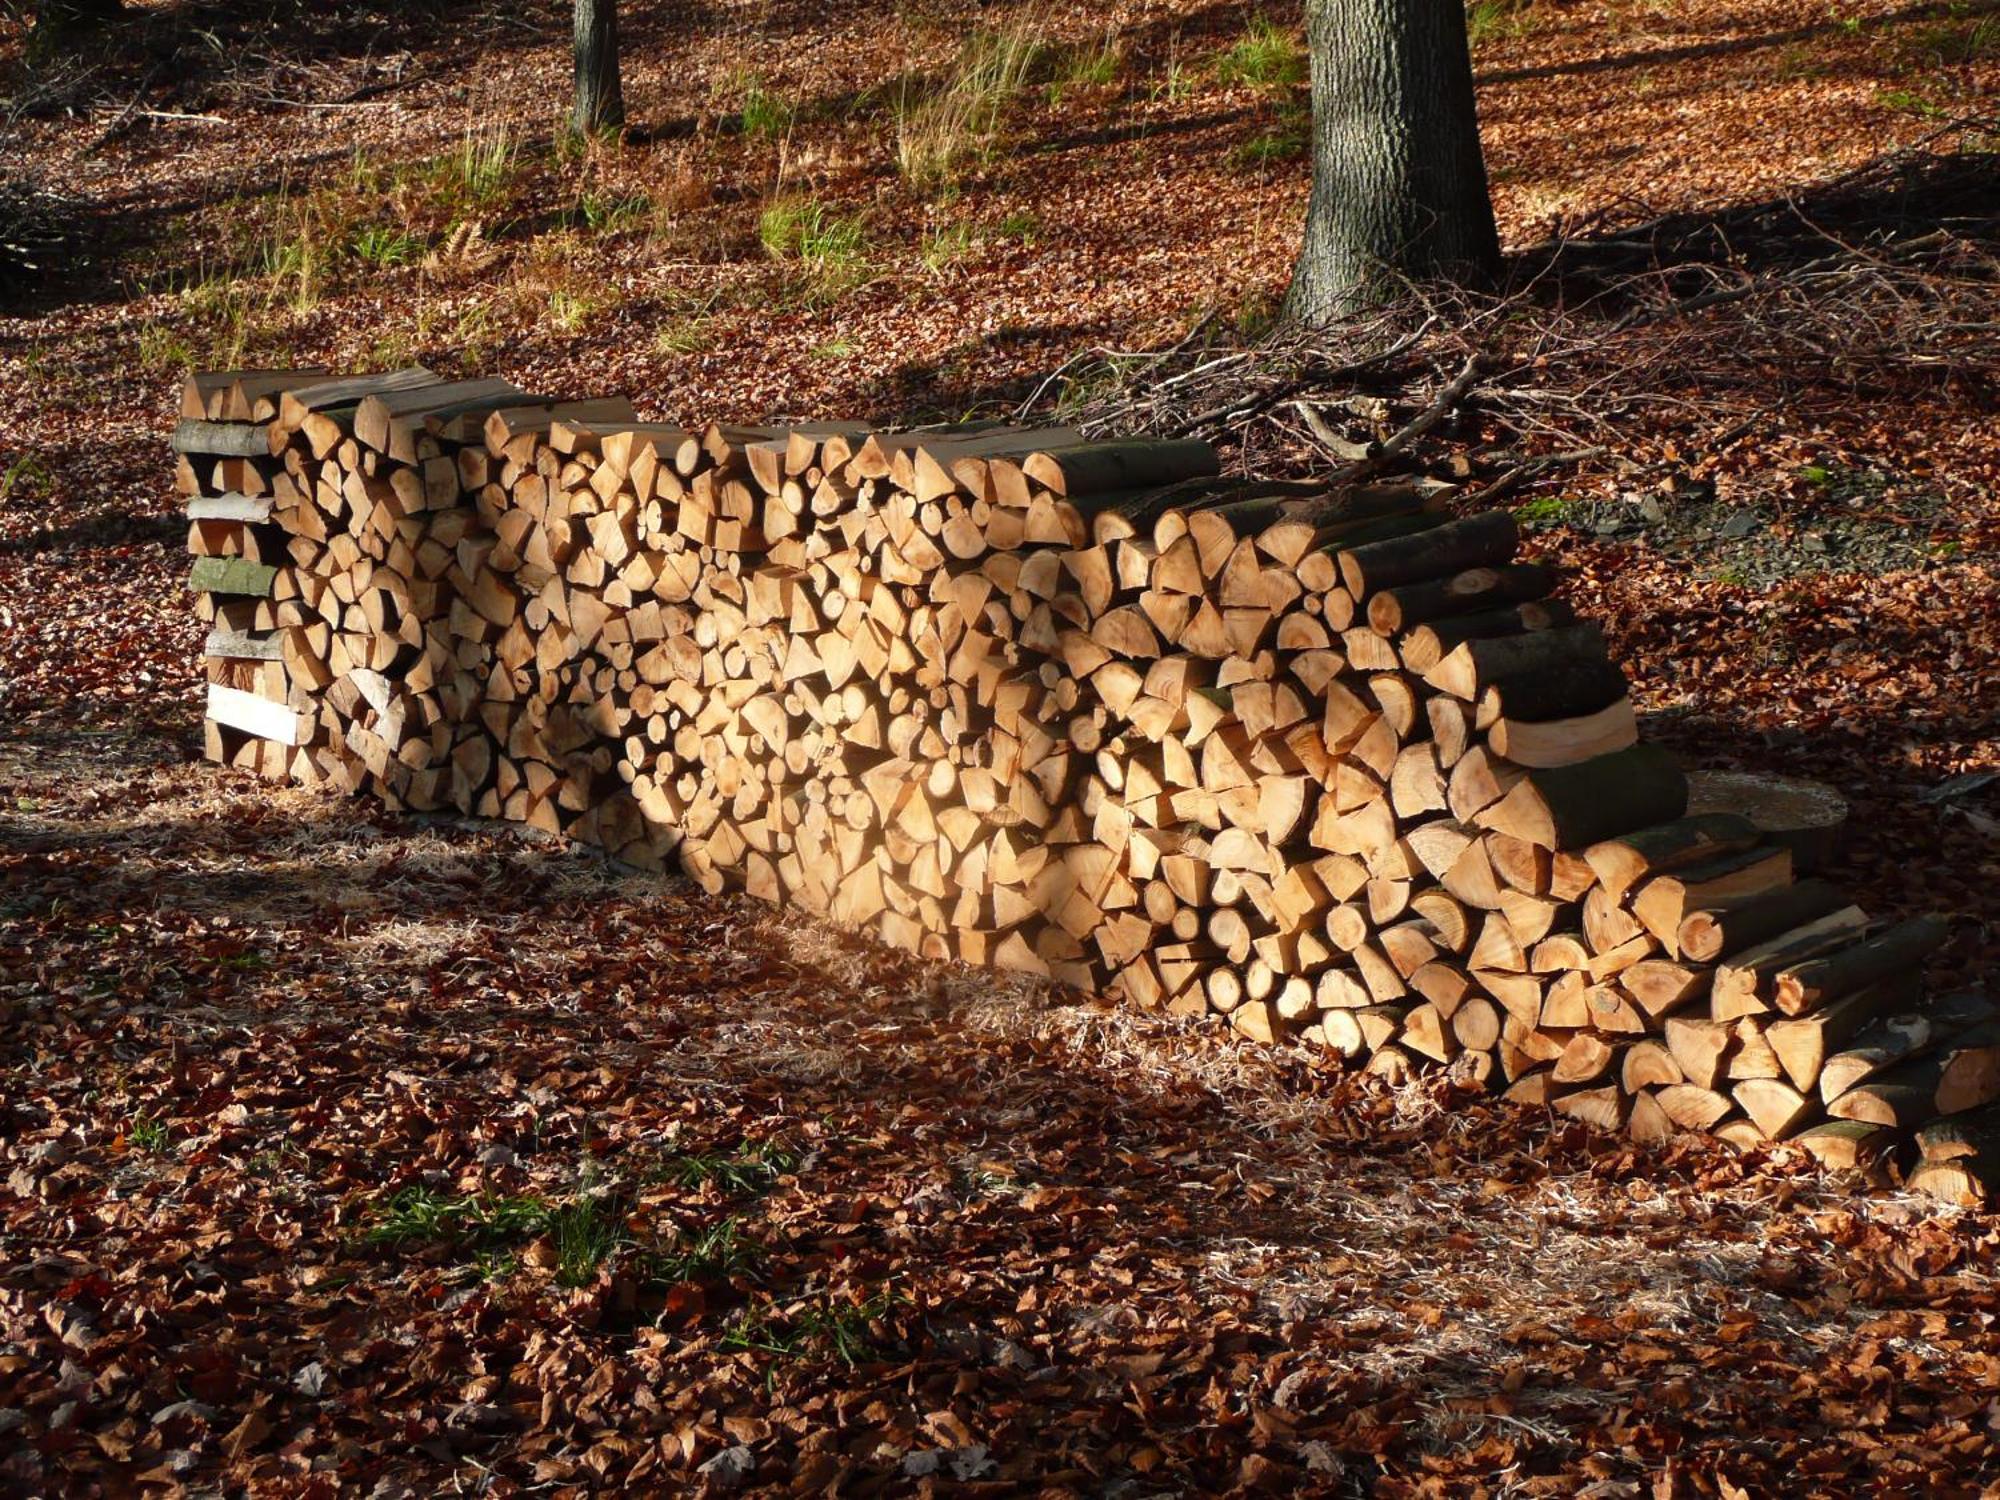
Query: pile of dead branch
x=1879, y=285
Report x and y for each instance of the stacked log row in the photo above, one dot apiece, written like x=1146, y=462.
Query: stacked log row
x=1327, y=766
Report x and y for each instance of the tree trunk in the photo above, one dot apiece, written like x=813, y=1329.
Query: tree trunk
x=600, y=101
x=1399, y=185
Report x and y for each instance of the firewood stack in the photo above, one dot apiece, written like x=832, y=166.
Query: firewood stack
x=1327, y=766
x=242, y=567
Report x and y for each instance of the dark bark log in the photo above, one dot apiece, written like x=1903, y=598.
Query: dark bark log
x=1804, y=1043
x=1897, y=1038
x=1572, y=806
x=1478, y=541
x=1812, y=983
x=1104, y=469
x=1472, y=590
x=1968, y=1133
x=1467, y=670
x=1711, y=933
x=600, y=98
x=1399, y=184
x=1850, y=1145
x=1545, y=693
x=1427, y=645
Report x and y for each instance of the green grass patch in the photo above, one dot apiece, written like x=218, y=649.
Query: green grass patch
x=585, y=1232
x=145, y=1133
x=381, y=246
x=693, y=335
x=718, y=1253
x=1288, y=140
x=611, y=213
x=1173, y=84
x=829, y=249
x=1907, y=101
x=470, y=1221
x=765, y=115
x=1546, y=511
x=747, y=1169
x=947, y=244
x=1092, y=66
x=1265, y=56
x=1020, y=225
x=481, y=172
x=27, y=478
x=1496, y=20
x=572, y=311
x=489, y=1229
x=819, y=1326
x=1962, y=38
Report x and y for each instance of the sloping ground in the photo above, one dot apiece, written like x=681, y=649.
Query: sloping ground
x=260, y=1051
x=873, y=1221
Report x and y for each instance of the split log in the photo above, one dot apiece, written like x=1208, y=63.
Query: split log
x=1570, y=807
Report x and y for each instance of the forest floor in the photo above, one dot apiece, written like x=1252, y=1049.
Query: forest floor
x=347, y=1154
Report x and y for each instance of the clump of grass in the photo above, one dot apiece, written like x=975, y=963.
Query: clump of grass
x=382, y=246
x=223, y=306
x=1174, y=83
x=147, y=1134
x=747, y=1169
x=1495, y=20
x=938, y=131
x=1020, y=225
x=718, y=1253
x=163, y=349
x=946, y=244
x=829, y=248
x=1907, y=101
x=1285, y=141
x=766, y=116
x=1083, y=386
x=1965, y=37
x=28, y=478
x=1548, y=510
x=474, y=330
x=299, y=252
x=610, y=213
x=481, y=172
x=583, y=1231
x=572, y=311
x=843, y=1330
x=475, y=1221
x=1266, y=56
x=691, y=335
x=1086, y=67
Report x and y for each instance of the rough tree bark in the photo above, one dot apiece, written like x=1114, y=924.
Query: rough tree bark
x=600, y=100
x=1399, y=184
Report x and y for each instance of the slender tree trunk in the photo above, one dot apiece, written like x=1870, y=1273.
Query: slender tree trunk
x=600, y=100
x=1399, y=184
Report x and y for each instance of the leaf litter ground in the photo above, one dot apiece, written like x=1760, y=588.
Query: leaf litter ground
x=353, y=1155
